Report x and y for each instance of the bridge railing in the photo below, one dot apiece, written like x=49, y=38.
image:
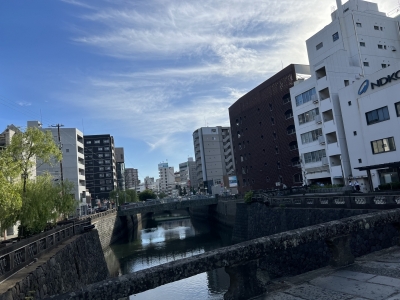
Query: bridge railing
x=18, y=254
x=354, y=201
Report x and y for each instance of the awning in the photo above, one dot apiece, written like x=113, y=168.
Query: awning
x=381, y=166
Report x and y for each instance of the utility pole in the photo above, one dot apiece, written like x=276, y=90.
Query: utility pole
x=60, y=147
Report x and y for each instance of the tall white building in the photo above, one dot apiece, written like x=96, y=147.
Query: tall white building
x=167, y=178
x=187, y=173
x=214, y=155
x=358, y=42
x=73, y=163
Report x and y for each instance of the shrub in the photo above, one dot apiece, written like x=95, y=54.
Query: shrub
x=248, y=197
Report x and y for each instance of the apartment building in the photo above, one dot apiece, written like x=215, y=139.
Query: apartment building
x=187, y=173
x=359, y=41
x=214, y=156
x=100, y=163
x=167, y=178
x=131, y=178
x=120, y=167
x=264, y=135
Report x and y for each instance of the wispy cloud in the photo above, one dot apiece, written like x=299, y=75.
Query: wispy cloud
x=24, y=103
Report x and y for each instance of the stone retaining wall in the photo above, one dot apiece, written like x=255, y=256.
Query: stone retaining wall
x=73, y=267
x=223, y=213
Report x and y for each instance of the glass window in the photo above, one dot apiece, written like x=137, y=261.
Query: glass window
x=376, y=27
x=383, y=145
x=335, y=36
x=305, y=97
x=107, y=141
x=397, y=106
x=100, y=149
x=297, y=178
x=383, y=66
x=366, y=64
x=97, y=141
x=377, y=115
x=362, y=44
x=315, y=156
x=380, y=47
x=107, y=155
x=319, y=46
x=100, y=155
x=311, y=136
x=289, y=114
x=101, y=168
x=107, y=162
x=308, y=116
x=88, y=142
x=358, y=24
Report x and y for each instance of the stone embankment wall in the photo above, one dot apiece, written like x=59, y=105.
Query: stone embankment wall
x=257, y=220
x=223, y=213
x=76, y=265
x=112, y=228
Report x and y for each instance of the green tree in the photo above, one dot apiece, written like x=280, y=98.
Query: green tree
x=248, y=197
x=193, y=191
x=162, y=195
x=147, y=194
x=32, y=147
x=10, y=198
x=133, y=197
x=44, y=202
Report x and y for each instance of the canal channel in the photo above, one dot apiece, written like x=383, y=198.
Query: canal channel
x=166, y=238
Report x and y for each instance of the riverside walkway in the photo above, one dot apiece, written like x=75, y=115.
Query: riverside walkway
x=374, y=276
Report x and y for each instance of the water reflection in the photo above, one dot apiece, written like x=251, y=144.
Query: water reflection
x=164, y=241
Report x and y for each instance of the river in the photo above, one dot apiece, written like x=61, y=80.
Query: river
x=163, y=240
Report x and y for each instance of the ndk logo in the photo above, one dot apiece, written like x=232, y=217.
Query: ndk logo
x=380, y=82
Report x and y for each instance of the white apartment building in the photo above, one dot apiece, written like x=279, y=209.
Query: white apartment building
x=167, y=178
x=371, y=117
x=73, y=164
x=187, y=173
x=214, y=155
x=358, y=42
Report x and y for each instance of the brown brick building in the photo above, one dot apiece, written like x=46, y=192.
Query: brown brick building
x=264, y=136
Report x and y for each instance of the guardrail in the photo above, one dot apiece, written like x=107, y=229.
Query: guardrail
x=353, y=201
x=16, y=255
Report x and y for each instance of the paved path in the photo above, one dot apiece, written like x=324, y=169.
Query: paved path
x=375, y=276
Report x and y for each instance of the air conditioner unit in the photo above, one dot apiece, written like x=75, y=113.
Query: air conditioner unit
x=315, y=101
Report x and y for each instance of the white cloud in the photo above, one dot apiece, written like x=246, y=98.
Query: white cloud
x=201, y=56
x=24, y=103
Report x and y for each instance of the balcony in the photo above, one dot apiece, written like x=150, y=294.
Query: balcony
x=225, y=138
x=325, y=161
x=325, y=105
x=321, y=140
x=318, y=119
x=229, y=166
x=227, y=145
x=336, y=172
x=329, y=127
x=333, y=149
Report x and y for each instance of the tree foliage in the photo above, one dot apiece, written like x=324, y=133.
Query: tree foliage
x=123, y=196
x=162, y=195
x=147, y=194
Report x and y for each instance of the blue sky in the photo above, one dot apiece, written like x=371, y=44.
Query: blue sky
x=147, y=72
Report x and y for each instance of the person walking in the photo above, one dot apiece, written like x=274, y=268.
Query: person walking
x=357, y=186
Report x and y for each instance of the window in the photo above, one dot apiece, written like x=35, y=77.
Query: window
x=100, y=149
x=349, y=103
x=346, y=83
x=108, y=174
x=101, y=162
x=276, y=150
x=278, y=165
x=297, y=178
x=238, y=134
x=286, y=98
x=314, y=156
x=108, y=181
x=291, y=129
x=362, y=44
x=288, y=114
x=383, y=66
x=354, y=133
x=107, y=141
x=100, y=155
x=358, y=25
x=272, y=121
x=308, y=116
x=397, y=106
x=101, y=175
x=274, y=134
x=101, y=182
x=376, y=27
x=106, y=148
x=107, y=155
x=311, y=136
x=380, y=46
x=383, y=145
x=305, y=97
x=107, y=168
x=213, y=130
x=366, y=64
x=67, y=150
x=377, y=115
x=237, y=122
x=101, y=168
x=97, y=141
x=295, y=162
x=102, y=189
x=319, y=46
x=88, y=142
x=293, y=145
x=270, y=106
x=359, y=160
x=335, y=36
x=381, y=28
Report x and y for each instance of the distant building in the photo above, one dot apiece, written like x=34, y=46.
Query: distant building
x=214, y=156
x=187, y=172
x=264, y=134
x=131, y=178
x=101, y=174
x=120, y=166
x=167, y=178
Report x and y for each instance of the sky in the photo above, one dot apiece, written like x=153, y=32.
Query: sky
x=148, y=72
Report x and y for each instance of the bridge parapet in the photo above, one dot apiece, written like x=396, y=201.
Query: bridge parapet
x=161, y=205
x=335, y=234
x=354, y=201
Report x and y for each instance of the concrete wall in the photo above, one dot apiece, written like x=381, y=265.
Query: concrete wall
x=76, y=265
